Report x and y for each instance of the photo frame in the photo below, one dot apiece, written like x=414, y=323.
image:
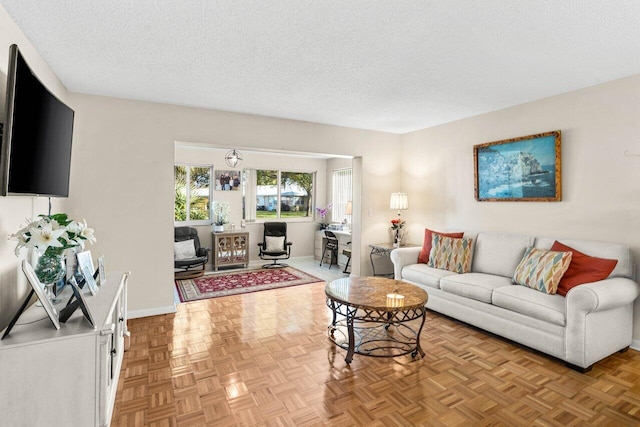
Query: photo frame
x=227, y=180
x=102, y=273
x=89, y=280
x=523, y=169
x=39, y=290
x=85, y=266
x=80, y=302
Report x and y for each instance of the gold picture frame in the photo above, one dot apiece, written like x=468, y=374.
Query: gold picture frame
x=523, y=169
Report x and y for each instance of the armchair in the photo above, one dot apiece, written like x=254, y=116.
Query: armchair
x=274, y=245
x=188, y=253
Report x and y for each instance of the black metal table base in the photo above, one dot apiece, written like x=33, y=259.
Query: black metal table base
x=376, y=333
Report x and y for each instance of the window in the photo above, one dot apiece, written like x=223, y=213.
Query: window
x=274, y=194
x=193, y=194
x=342, y=193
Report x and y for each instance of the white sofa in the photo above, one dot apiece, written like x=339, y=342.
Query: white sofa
x=592, y=322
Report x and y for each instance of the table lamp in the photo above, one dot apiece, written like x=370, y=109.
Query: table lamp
x=399, y=201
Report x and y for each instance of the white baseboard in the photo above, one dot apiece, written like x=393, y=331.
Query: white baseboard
x=151, y=312
x=635, y=344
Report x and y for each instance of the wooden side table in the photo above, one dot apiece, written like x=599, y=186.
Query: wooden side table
x=230, y=248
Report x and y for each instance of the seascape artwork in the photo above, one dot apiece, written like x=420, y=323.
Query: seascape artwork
x=524, y=169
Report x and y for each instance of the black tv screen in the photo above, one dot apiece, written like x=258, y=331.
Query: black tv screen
x=36, y=151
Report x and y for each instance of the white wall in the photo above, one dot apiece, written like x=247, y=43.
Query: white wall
x=15, y=210
x=600, y=185
x=122, y=179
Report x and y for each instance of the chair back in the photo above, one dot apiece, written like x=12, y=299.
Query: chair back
x=275, y=229
x=186, y=233
x=332, y=240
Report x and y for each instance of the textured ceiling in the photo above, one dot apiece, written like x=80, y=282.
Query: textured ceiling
x=390, y=65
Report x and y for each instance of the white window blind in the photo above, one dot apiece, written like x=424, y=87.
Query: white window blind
x=342, y=193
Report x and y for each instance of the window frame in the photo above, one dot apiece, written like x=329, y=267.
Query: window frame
x=190, y=222
x=278, y=217
x=336, y=204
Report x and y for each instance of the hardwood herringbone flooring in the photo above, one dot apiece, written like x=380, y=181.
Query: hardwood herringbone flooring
x=264, y=359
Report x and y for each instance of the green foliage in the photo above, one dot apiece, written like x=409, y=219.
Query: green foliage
x=199, y=205
x=265, y=177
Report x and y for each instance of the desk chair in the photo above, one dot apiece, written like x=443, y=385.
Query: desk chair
x=332, y=246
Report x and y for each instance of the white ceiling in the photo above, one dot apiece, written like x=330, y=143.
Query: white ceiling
x=388, y=65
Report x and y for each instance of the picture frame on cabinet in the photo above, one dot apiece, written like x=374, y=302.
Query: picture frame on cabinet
x=38, y=288
x=80, y=302
x=102, y=273
x=522, y=169
x=85, y=265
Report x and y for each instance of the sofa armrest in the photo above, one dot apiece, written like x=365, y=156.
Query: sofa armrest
x=602, y=295
x=401, y=257
x=599, y=319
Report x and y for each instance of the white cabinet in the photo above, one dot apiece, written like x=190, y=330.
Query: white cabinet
x=344, y=237
x=66, y=377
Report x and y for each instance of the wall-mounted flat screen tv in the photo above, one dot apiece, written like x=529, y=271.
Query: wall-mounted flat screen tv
x=36, y=142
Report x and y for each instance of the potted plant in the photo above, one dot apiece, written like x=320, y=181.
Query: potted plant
x=323, y=213
x=220, y=215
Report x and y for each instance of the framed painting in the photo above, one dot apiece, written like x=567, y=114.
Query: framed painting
x=523, y=169
x=227, y=180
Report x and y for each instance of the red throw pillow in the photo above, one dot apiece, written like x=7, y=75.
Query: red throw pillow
x=426, y=246
x=583, y=268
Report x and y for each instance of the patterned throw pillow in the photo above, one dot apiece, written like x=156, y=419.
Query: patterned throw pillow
x=423, y=257
x=542, y=270
x=448, y=253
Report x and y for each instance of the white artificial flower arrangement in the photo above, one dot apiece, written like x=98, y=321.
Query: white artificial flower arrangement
x=220, y=212
x=53, y=234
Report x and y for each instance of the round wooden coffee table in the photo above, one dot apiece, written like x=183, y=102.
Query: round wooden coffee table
x=376, y=316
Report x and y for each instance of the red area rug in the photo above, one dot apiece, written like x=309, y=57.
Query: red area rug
x=239, y=282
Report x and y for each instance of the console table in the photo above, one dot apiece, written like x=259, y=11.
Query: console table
x=65, y=377
x=230, y=248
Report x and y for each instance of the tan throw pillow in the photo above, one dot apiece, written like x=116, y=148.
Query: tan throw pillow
x=451, y=254
x=542, y=270
x=184, y=250
x=274, y=243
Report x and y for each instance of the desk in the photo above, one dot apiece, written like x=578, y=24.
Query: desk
x=344, y=237
x=383, y=250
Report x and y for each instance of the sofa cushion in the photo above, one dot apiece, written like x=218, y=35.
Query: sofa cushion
x=527, y=301
x=478, y=286
x=425, y=275
x=426, y=245
x=542, y=270
x=583, y=268
x=499, y=253
x=451, y=254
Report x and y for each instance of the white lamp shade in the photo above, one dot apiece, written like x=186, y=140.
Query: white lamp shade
x=399, y=201
x=348, y=210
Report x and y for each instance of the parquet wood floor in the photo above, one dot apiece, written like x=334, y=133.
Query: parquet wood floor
x=264, y=359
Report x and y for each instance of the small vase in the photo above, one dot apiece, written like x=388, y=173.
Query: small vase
x=218, y=228
x=49, y=270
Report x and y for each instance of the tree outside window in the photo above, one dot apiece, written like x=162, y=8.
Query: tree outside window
x=192, y=193
x=281, y=194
